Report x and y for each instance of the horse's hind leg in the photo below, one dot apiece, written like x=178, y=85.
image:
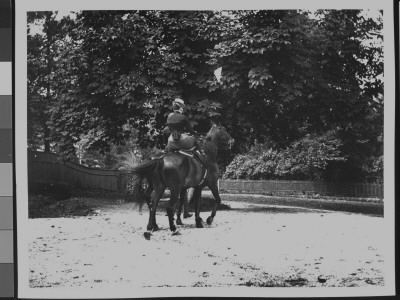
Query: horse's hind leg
x=155, y=226
x=182, y=199
x=170, y=207
x=197, y=199
x=214, y=190
x=157, y=194
x=148, y=193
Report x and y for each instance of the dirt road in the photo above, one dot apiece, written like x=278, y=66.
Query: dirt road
x=247, y=245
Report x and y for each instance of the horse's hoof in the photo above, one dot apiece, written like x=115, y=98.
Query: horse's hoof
x=179, y=222
x=149, y=227
x=199, y=225
x=155, y=227
x=176, y=233
x=173, y=228
x=187, y=216
x=147, y=235
x=209, y=220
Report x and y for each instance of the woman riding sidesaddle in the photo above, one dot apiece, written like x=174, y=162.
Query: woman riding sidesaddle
x=179, y=134
x=182, y=134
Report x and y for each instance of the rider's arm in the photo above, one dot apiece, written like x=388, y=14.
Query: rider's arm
x=189, y=127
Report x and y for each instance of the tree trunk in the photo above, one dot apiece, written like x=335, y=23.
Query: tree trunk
x=46, y=138
x=49, y=34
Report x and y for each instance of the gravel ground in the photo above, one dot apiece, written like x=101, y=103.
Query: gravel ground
x=253, y=243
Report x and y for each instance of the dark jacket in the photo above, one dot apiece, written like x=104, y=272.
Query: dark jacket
x=179, y=123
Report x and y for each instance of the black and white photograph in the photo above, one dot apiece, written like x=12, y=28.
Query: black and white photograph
x=198, y=149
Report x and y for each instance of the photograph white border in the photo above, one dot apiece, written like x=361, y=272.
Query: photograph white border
x=21, y=9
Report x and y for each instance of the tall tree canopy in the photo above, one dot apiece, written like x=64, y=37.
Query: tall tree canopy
x=285, y=74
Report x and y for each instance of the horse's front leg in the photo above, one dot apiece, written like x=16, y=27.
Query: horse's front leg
x=215, y=192
x=182, y=200
x=197, y=200
x=188, y=196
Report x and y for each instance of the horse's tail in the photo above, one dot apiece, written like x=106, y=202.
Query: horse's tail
x=147, y=167
x=141, y=177
x=136, y=190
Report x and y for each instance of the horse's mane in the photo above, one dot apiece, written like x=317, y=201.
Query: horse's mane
x=209, y=144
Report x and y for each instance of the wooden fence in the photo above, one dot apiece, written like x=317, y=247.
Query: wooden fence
x=359, y=190
x=48, y=167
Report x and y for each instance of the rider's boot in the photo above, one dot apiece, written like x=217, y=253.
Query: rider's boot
x=201, y=155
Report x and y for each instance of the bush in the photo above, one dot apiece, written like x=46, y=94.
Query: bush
x=373, y=169
x=256, y=166
x=306, y=158
x=309, y=157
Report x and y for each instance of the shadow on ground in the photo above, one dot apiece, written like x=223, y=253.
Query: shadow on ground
x=360, y=207
x=272, y=210
x=87, y=203
x=275, y=205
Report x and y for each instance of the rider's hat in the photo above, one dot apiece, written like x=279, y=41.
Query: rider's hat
x=179, y=102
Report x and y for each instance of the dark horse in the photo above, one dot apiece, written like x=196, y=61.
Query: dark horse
x=178, y=172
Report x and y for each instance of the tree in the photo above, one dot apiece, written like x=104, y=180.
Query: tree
x=130, y=66
x=43, y=52
x=356, y=105
x=305, y=75
x=286, y=74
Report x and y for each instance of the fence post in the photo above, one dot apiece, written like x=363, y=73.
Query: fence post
x=120, y=182
x=60, y=161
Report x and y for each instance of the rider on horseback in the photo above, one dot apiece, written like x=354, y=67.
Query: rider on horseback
x=182, y=136
x=179, y=127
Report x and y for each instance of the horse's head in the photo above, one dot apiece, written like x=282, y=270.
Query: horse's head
x=220, y=136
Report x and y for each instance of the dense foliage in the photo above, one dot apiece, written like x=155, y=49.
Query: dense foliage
x=290, y=80
x=307, y=158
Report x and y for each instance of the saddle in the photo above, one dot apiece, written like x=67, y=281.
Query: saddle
x=195, y=153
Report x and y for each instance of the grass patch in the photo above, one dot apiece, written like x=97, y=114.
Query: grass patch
x=82, y=202
x=50, y=207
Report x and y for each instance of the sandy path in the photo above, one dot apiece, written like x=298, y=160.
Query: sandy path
x=250, y=245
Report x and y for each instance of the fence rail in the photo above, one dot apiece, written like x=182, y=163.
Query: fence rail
x=49, y=167
x=361, y=190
